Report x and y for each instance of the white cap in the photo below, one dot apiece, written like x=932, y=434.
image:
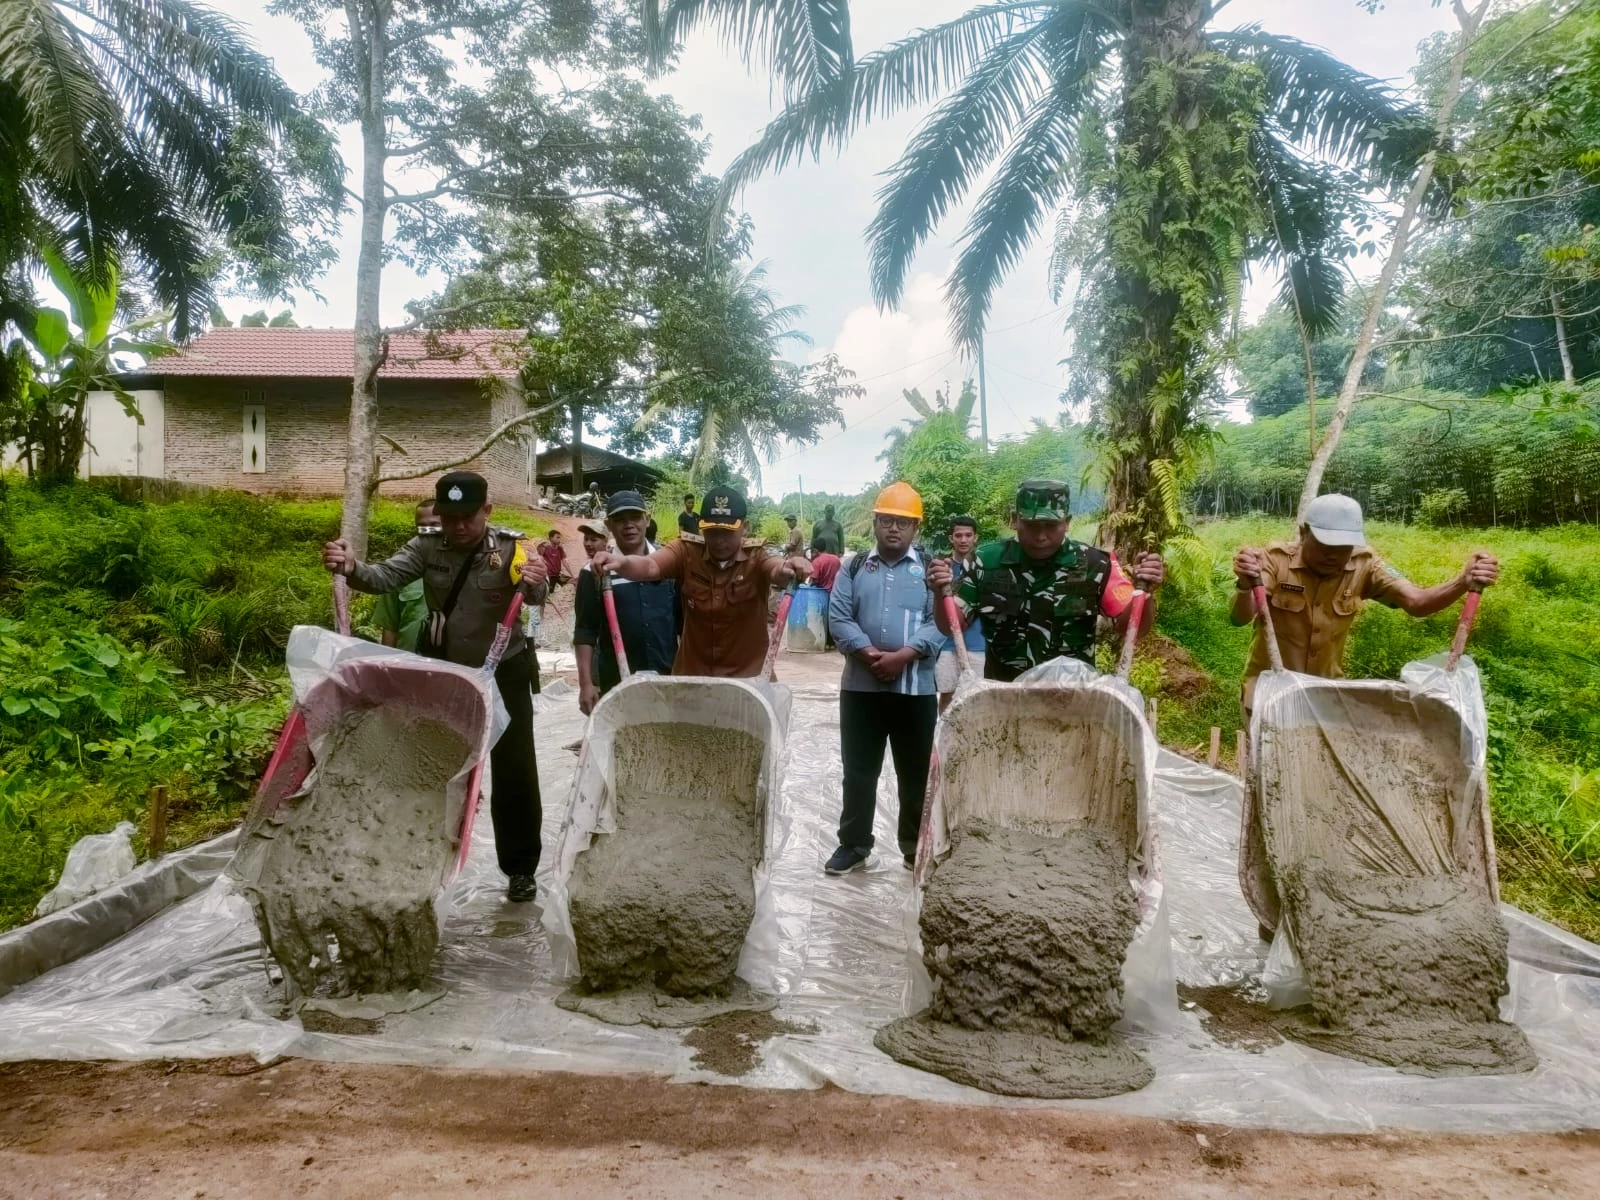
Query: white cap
x=1335, y=520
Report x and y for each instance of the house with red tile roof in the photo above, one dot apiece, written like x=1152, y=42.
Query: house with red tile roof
x=266, y=410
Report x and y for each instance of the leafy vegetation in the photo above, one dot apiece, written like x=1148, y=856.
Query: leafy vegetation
x=142, y=644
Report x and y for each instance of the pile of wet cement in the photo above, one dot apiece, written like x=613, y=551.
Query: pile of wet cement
x=1404, y=971
x=1025, y=938
x=344, y=897
x=731, y=1044
x=661, y=907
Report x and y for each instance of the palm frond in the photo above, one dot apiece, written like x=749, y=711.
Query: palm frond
x=1331, y=108
x=805, y=43
x=1033, y=176
x=913, y=71
x=65, y=100
x=957, y=143
x=1306, y=233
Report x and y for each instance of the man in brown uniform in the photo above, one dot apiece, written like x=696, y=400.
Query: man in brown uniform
x=1317, y=585
x=1315, y=588
x=724, y=581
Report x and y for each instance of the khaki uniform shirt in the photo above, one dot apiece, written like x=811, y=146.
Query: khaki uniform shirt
x=724, y=608
x=485, y=596
x=1311, y=613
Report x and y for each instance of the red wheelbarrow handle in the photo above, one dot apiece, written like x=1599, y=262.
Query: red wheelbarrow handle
x=1264, y=611
x=1469, y=614
x=1130, y=636
x=769, y=669
x=502, y=635
x=609, y=600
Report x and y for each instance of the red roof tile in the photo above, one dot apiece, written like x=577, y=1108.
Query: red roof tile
x=330, y=354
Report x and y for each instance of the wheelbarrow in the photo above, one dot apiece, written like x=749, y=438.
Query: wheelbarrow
x=1393, y=770
x=352, y=678
x=657, y=742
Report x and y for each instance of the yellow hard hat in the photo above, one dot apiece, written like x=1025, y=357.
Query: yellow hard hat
x=899, y=500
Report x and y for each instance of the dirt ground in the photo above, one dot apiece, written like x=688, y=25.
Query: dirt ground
x=299, y=1128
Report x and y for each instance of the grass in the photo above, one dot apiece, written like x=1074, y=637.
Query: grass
x=1536, y=642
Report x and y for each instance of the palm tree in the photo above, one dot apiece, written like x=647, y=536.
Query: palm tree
x=137, y=132
x=1176, y=154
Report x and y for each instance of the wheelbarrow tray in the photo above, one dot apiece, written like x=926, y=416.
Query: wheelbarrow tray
x=1366, y=775
x=454, y=696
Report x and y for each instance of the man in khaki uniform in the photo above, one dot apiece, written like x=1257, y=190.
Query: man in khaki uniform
x=724, y=582
x=468, y=572
x=1317, y=585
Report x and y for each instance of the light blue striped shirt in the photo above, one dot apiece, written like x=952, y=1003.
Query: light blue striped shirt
x=887, y=606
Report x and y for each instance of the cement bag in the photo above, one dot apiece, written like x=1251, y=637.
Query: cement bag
x=94, y=862
x=755, y=707
x=1089, y=757
x=1396, y=770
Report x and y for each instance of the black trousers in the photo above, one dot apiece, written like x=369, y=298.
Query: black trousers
x=867, y=721
x=514, y=797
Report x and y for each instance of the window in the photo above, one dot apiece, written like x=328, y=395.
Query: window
x=254, y=443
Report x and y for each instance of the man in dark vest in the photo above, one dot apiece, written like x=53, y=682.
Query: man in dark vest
x=1040, y=594
x=468, y=572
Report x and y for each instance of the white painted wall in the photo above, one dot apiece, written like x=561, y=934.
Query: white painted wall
x=120, y=445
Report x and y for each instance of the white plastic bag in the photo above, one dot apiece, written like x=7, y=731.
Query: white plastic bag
x=96, y=861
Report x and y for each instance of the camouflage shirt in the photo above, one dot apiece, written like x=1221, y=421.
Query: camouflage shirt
x=1034, y=610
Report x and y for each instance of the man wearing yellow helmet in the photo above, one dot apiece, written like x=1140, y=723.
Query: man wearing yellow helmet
x=881, y=618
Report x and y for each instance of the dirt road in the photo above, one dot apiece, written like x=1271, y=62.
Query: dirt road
x=298, y=1128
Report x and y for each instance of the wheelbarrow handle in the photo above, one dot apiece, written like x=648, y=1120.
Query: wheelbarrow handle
x=1130, y=636
x=502, y=635
x=952, y=617
x=341, y=605
x=608, y=600
x=1264, y=611
x=769, y=669
x=1469, y=614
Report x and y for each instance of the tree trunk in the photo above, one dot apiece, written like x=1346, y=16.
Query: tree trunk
x=1568, y=375
x=368, y=35
x=577, y=447
x=1469, y=21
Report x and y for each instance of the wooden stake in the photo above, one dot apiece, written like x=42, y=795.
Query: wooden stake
x=1216, y=747
x=158, y=820
x=1238, y=752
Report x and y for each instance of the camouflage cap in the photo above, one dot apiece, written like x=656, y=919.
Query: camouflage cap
x=1043, y=500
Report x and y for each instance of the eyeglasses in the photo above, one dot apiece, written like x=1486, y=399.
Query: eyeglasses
x=895, y=522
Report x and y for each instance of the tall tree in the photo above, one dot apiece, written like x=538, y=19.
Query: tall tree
x=398, y=71
x=1414, y=206
x=148, y=135
x=1182, y=152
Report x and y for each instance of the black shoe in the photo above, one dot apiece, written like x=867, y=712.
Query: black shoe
x=845, y=860
x=522, y=889
x=911, y=862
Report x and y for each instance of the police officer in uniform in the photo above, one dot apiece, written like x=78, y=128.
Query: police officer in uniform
x=1040, y=594
x=468, y=574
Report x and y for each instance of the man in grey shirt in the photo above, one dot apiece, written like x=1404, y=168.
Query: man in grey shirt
x=469, y=572
x=881, y=619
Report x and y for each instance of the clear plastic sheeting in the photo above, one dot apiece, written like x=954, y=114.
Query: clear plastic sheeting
x=191, y=982
x=734, y=704
x=95, y=861
x=1062, y=746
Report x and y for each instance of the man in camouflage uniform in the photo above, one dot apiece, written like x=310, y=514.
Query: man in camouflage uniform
x=469, y=571
x=1040, y=594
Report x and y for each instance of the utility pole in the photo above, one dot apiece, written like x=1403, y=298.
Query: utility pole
x=801, y=481
x=983, y=400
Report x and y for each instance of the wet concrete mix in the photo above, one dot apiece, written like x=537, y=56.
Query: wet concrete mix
x=1404, y=971
x=1025, y=937
x=662, y=906
x=344, y=896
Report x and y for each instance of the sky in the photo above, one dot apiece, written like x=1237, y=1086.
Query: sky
x=810, y=219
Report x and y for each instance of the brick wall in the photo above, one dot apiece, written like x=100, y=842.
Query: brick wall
x=306, y=422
